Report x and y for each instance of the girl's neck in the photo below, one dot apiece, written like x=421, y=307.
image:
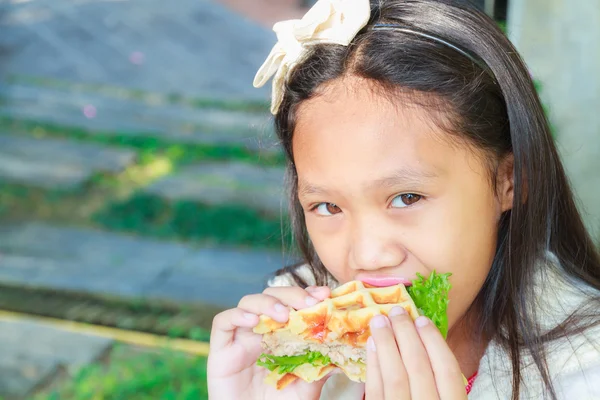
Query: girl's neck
x=467, y=348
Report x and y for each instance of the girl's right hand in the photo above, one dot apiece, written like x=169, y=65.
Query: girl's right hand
x=235, y=348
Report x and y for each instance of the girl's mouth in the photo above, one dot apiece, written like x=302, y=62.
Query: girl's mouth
x=383, y=280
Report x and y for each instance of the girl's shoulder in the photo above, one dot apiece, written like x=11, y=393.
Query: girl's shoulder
x=573, y=360
x=573, y=367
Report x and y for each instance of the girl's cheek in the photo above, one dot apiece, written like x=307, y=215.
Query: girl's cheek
x=330, y=249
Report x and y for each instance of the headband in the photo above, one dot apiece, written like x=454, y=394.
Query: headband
x=401, y=28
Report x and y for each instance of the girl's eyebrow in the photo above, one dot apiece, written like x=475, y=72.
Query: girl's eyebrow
x=307, y=189
x=405, y=175
x=402, y=176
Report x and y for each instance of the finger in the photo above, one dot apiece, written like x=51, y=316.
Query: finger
x=319, y=292
x=414, y=355
x=294, y=297
x=264, y=304
x=374, y=383
x=225, y=324
x=393, y=372
x=446, y=370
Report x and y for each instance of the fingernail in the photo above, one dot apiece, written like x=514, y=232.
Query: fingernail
x=421, y=322
x=249, y=316
x=379, y=321
x=397, y=311
x=279, y=307
x=371, y=344
x=311, y=301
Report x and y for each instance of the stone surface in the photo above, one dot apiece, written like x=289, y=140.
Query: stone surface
x=559, y=41
x=21, y=374
x=260, y=188
x=113, y=264
x=41, y=174
x=83, y=260
x=193, y=47
x=32, y=353
x=72, y=350
x=200, y=277
x=56, y=163
x=110, y=114
x=269, y=12
x=211, y=291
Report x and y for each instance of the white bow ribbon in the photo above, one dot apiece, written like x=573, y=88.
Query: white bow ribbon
x=328, y=21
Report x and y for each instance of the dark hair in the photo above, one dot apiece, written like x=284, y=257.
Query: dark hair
x=497, y=111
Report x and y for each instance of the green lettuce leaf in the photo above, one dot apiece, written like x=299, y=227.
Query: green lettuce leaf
x=287, y=364
x=431, y=298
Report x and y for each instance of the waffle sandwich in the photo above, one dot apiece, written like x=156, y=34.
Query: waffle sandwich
x=330, y=334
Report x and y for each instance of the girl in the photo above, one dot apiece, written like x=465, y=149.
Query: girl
x=416, y=142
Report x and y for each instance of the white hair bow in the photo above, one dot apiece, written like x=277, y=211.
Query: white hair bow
x=328, y=21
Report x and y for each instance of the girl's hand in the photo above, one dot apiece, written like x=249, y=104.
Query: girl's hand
x=234, y=348
x=410, y=360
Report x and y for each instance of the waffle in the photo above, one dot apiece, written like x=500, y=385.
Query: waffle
x=305, y=372
x=342, y=319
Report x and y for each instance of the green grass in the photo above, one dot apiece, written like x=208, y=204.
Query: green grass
x=142, y=214
x=17, y=200
x=187, y=220
x=129, y=375
x=115, y=202
x=502, y=25
x=142, y=95
x=147, y=147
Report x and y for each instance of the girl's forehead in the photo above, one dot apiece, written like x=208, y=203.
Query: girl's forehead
x=359, y=105
x=360, y=127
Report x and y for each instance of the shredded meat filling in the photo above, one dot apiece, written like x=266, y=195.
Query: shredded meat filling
x=280, y=344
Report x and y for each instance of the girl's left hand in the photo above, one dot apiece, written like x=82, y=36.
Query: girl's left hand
x=409, y=360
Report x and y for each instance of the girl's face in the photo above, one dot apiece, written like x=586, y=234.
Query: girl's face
x=387, y=195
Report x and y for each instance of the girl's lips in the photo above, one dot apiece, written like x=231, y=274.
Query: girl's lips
x=382, y=281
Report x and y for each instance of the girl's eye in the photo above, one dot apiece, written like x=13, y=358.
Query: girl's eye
x=405, y=200
x=327, y=209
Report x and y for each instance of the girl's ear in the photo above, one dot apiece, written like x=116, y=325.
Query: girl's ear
x=506, y=182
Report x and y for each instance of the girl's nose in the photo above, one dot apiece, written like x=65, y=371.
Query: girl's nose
x=373, y=248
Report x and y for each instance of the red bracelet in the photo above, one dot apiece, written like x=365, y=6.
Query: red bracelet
x=470, y=382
